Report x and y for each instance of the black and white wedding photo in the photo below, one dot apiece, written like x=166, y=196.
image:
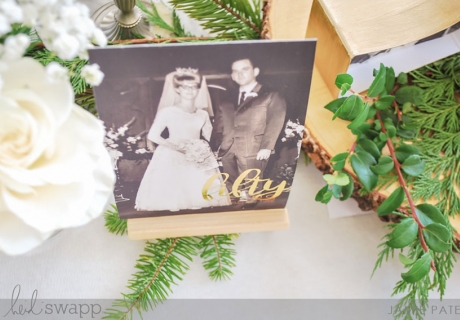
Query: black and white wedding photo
x=203, y=128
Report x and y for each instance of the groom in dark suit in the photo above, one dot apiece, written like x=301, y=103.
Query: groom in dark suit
x=248, y=127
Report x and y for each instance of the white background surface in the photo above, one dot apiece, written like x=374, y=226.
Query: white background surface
x=316, y=257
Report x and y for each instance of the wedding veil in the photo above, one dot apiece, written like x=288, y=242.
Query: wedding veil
x=170, y=97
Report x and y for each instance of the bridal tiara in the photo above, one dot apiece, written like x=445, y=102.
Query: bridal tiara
x=182, y=71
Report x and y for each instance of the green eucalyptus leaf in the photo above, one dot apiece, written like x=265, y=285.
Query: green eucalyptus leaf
x=350, y=109
x=403, y=234
x=339, y=157
x=384, y=166
x=329, y=178
x=336, y=191
x=391, y=131
x=378, y=85
x=409, y=94
x=406, y=133
x=372, y=112
x=427, y=214
x=324, y=195
x=388, y=121
x=345, y=88
x=342, y=79
x=437, y=237
x=361, y=163
x=327, y=197
x=370, y=146
x=404, y=151
x=362, y=129
x=360, y=119
x=391, y=203
x=402, y=78
x=390, y=79
x=419, y=269
x=384, y=102
x=335, y=105
x=413, y=165
x=348, y=189
x=339, y=165
x=340, y=179
x=378, y=125
x=383, y=136
x=405, y=260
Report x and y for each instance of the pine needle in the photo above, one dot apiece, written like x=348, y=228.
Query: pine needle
x=164, y=263
x=237, y=19
x=113, y=222
x=218, y=257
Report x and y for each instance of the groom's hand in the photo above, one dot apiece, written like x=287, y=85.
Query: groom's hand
x=263, y=154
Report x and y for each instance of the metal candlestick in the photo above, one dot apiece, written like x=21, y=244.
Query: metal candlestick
x=122, y=19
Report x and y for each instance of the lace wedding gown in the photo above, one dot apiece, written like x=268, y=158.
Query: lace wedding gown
x=171, y=181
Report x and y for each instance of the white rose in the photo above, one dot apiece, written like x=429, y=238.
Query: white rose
x=54, y=170
x=92, y=74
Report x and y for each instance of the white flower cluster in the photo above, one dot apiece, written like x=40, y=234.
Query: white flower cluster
x=293, y=131
x=64, y=26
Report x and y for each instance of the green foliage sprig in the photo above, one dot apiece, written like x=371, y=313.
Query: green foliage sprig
x=74, y=66
x=218, y=256
x=379, y=119
x=153, y=17
x=440, y=138
x=234, y=19
x=113, y=223
x=163, y=263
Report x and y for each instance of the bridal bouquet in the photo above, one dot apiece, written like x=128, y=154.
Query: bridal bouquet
x=199, y=152
x=54, y=170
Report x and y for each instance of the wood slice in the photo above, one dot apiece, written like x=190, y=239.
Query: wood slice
x=325, y=138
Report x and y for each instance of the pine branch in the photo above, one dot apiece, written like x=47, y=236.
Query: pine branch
x=164, y=263
x=235, y=19
x=74, y=66
x=87, y=102
x=155, y=19
x=218, y=256
x=113, y=222
x=386, y=252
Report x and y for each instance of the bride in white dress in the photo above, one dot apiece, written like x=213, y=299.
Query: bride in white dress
x=182, y=163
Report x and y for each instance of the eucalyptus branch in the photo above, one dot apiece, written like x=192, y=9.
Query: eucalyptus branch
x=402, y=182
x=377, y=120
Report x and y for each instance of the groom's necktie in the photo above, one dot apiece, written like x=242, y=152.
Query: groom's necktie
x=242, y=96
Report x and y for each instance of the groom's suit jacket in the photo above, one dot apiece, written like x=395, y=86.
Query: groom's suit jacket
x=251, y=126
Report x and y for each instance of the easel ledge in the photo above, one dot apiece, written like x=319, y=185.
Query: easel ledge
x=208, y=224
